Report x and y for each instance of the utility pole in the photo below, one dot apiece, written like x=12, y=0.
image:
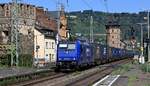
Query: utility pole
x=58, y=22
x=141, y=24
x=91, y=29
x=14, y=32
x=148, y=37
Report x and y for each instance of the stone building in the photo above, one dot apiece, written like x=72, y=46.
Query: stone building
x=113, y=35
x=63, y=32
x=26, y=19
x=29, y=17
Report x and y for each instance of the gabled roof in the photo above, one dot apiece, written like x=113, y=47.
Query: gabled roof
x=46, y=31
x=112, y=23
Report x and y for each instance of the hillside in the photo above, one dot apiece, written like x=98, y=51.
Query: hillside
x=79, y=22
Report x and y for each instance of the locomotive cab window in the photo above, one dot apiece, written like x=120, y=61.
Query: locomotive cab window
x=67, y=46
x=62, y=46
x=71, y=46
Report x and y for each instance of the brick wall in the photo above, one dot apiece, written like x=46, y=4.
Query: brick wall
x=43, y=20
x=113, y=36
x=29, y=15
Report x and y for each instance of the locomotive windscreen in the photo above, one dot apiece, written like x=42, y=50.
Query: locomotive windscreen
x=62, y=45
x=67, y=46
x=71, y=46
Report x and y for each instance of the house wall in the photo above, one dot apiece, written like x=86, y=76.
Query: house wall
x=114, y=38
x=50, y=50
x=39, y=41
x=47, y=48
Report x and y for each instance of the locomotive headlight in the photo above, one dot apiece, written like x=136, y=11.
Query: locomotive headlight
x=59, y=63
x=74, y=58
x=59, y=58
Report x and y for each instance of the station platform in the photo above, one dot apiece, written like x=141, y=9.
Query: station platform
x=133, y=77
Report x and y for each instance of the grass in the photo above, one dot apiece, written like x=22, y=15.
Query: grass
x=134, y=77
x=131, y=79
x=145, y=67
x=14, y=79
x=11, y=80
x=76, y=73
x=147, y=85
x=122, y=69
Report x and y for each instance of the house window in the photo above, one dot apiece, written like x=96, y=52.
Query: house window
x=50, y=57
x=5, y=33
x=118, y=30
x=46, y=45
x=112, y=30
x=113, y=42
x=112, y=36
x=52, y=45
x=120, y=44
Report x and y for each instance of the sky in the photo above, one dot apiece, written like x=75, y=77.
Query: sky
x=131, y=6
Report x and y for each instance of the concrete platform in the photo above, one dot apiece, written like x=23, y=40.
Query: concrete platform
x=133, y=77
x=121, y=81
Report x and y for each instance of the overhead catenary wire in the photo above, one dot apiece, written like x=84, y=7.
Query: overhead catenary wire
x=106, y=6
x=91, y=22
x=87, y=4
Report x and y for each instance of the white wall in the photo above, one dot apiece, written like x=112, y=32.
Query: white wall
x=50, y=52
x=39, y=40
x=47, y=48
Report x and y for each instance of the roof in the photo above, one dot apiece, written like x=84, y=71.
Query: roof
x=53, y=14
x=46, y=31
x=112, y=24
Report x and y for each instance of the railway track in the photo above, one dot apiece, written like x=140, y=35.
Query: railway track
x=90, y=79
x=82, y=78
x=39, y=80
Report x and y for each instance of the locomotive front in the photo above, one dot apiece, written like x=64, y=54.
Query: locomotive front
x=67, y=55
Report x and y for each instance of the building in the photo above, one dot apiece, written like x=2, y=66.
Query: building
x=26, y=17
x=29, y=16
x=113, y=35
x=44, y=46
x=63, y=30
x=35, y=27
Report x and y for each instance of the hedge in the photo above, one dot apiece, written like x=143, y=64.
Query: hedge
x=25, y=60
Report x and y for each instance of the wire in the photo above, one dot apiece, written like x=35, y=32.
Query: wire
x=106, y=5
x=87, y=4
x=67, y=1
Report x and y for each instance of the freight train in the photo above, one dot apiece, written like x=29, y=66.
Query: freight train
x=78, y=54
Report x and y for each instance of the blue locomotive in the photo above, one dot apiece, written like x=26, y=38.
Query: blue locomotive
x=71, y=55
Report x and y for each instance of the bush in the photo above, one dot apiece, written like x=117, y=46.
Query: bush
x=145, y=67
x=25, y=60
x=5, y=60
